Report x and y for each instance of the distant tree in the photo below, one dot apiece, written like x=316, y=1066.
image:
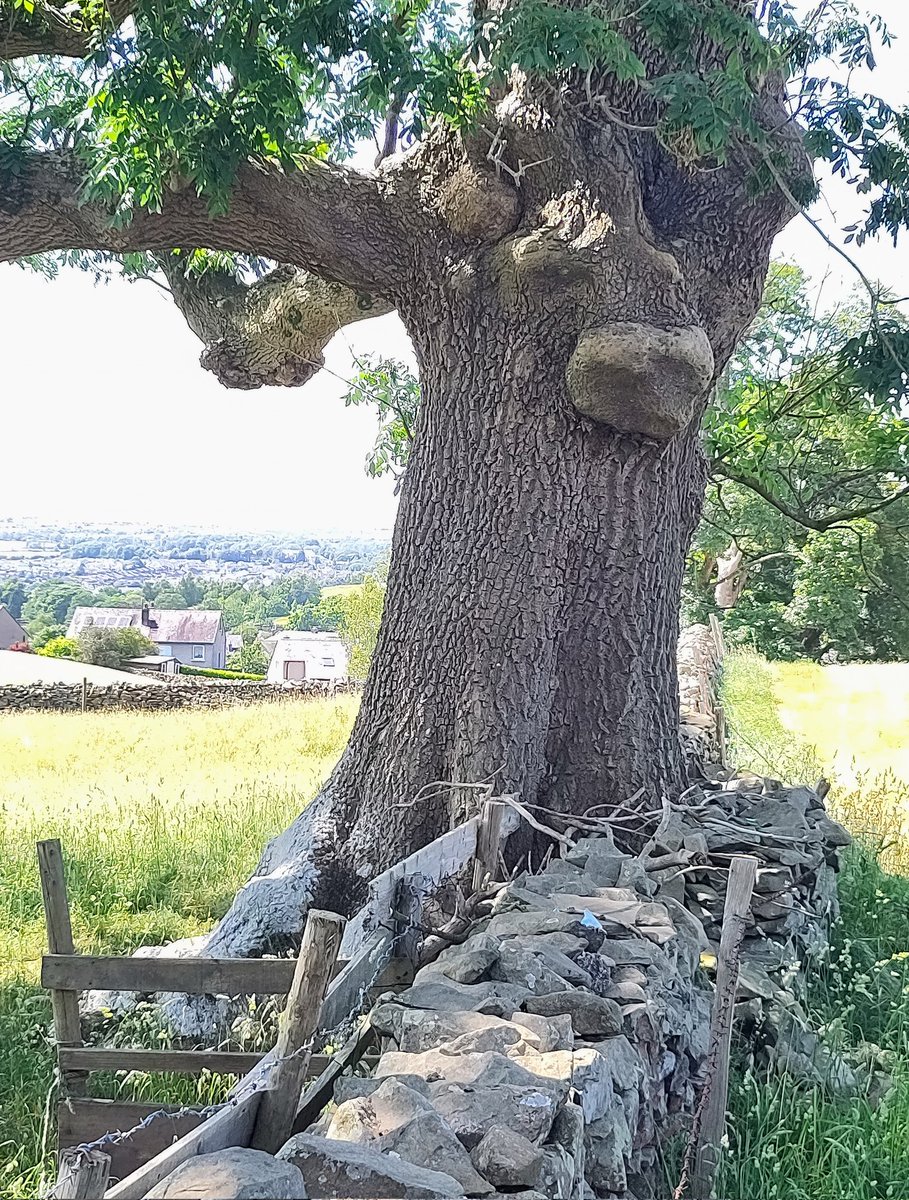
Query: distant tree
x=359, y=626
x=191, y=591
x=53, y=604
x=13, y=593
x=61, y=647
x=806, y=525
x=322, y=616
x=251, y=657
x=112, y=647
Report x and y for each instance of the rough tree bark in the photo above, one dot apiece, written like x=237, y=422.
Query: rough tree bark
x=572, y=292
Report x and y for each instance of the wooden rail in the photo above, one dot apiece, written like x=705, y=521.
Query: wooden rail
x=266, y=1102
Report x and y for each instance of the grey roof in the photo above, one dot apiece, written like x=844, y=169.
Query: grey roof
x=167, y=625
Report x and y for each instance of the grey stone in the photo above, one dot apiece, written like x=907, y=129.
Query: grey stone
x=546, y=1033
x=599, y=968
x=445, y=995
x=608, y=1146
x=586, y=1070
x=367, y=1118
x=568, y=1132
x=489, y=1069
x=396, y=1119
x=558, y=1173
x=626, y=992
x=565, y=943
x=556, y=960
x=428, y=1141
x=507, y=1159
x=343, y=1169
x=470, y=961
x=350, y=1087
x=423, y=1029
x=506, y=1038
x=626, y=1067
x=591, y=1016
x=234, y=1174
x=470, y=1111
x=526, y=970
x=541, y=921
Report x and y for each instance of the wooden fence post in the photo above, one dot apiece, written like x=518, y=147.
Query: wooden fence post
x=489, y=842
x=299, y=1021
x=716, y=628
x=712, y=1116
x=83, y=1175
x=65, y=1003
x=84, y=692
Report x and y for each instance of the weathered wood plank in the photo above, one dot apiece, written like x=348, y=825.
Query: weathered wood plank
x=347, y=992
x=197, y=976
x=81, y=1121
x=181, y=1062
x=489, y=842
x=230, y=1127
x=65, y=1003
x=320, y=1091
x=712, y=1118
x=438, y=861
x=299, y=1021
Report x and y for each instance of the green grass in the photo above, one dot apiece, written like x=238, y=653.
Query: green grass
x=788, y=1141
x=161, y=816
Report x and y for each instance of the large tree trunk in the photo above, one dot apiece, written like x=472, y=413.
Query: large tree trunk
x=530, y=626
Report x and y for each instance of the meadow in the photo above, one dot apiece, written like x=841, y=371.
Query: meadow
x=787, y=1141
x=162, y=816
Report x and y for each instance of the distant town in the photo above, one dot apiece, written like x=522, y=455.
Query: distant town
x=101, y=556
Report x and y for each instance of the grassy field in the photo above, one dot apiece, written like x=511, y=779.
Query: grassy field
x=789, y=1142
x=162, y=816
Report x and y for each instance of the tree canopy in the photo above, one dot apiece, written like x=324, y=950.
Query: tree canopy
x=804, y=537
x=182, y=111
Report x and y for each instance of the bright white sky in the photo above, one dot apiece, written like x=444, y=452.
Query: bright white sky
x=109, y=417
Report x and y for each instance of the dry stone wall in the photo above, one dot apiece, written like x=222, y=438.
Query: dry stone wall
x=553, y=1052
x=176, y=693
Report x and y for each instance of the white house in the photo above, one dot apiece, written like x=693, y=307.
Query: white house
x=299, y=654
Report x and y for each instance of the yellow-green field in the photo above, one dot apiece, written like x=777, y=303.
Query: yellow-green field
x=857, y=715
x=162, y=816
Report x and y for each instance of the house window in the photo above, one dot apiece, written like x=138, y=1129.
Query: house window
x=164, y=649
x=328, y=662
x=198, y=654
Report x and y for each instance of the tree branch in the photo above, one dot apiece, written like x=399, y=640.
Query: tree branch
x=269, y=332
x=344, y=226
x=55, y=29
x=798, y=515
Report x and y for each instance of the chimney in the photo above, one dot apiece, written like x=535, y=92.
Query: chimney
x=145, y=621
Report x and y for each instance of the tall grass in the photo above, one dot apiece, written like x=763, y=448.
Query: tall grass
x=788, y=1141
x=162, y=816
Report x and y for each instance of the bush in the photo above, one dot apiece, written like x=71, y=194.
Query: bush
x=60, y=647
x=212, y=673
x=112, y=647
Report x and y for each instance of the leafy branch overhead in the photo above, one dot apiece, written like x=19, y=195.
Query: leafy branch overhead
x=182, y=94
